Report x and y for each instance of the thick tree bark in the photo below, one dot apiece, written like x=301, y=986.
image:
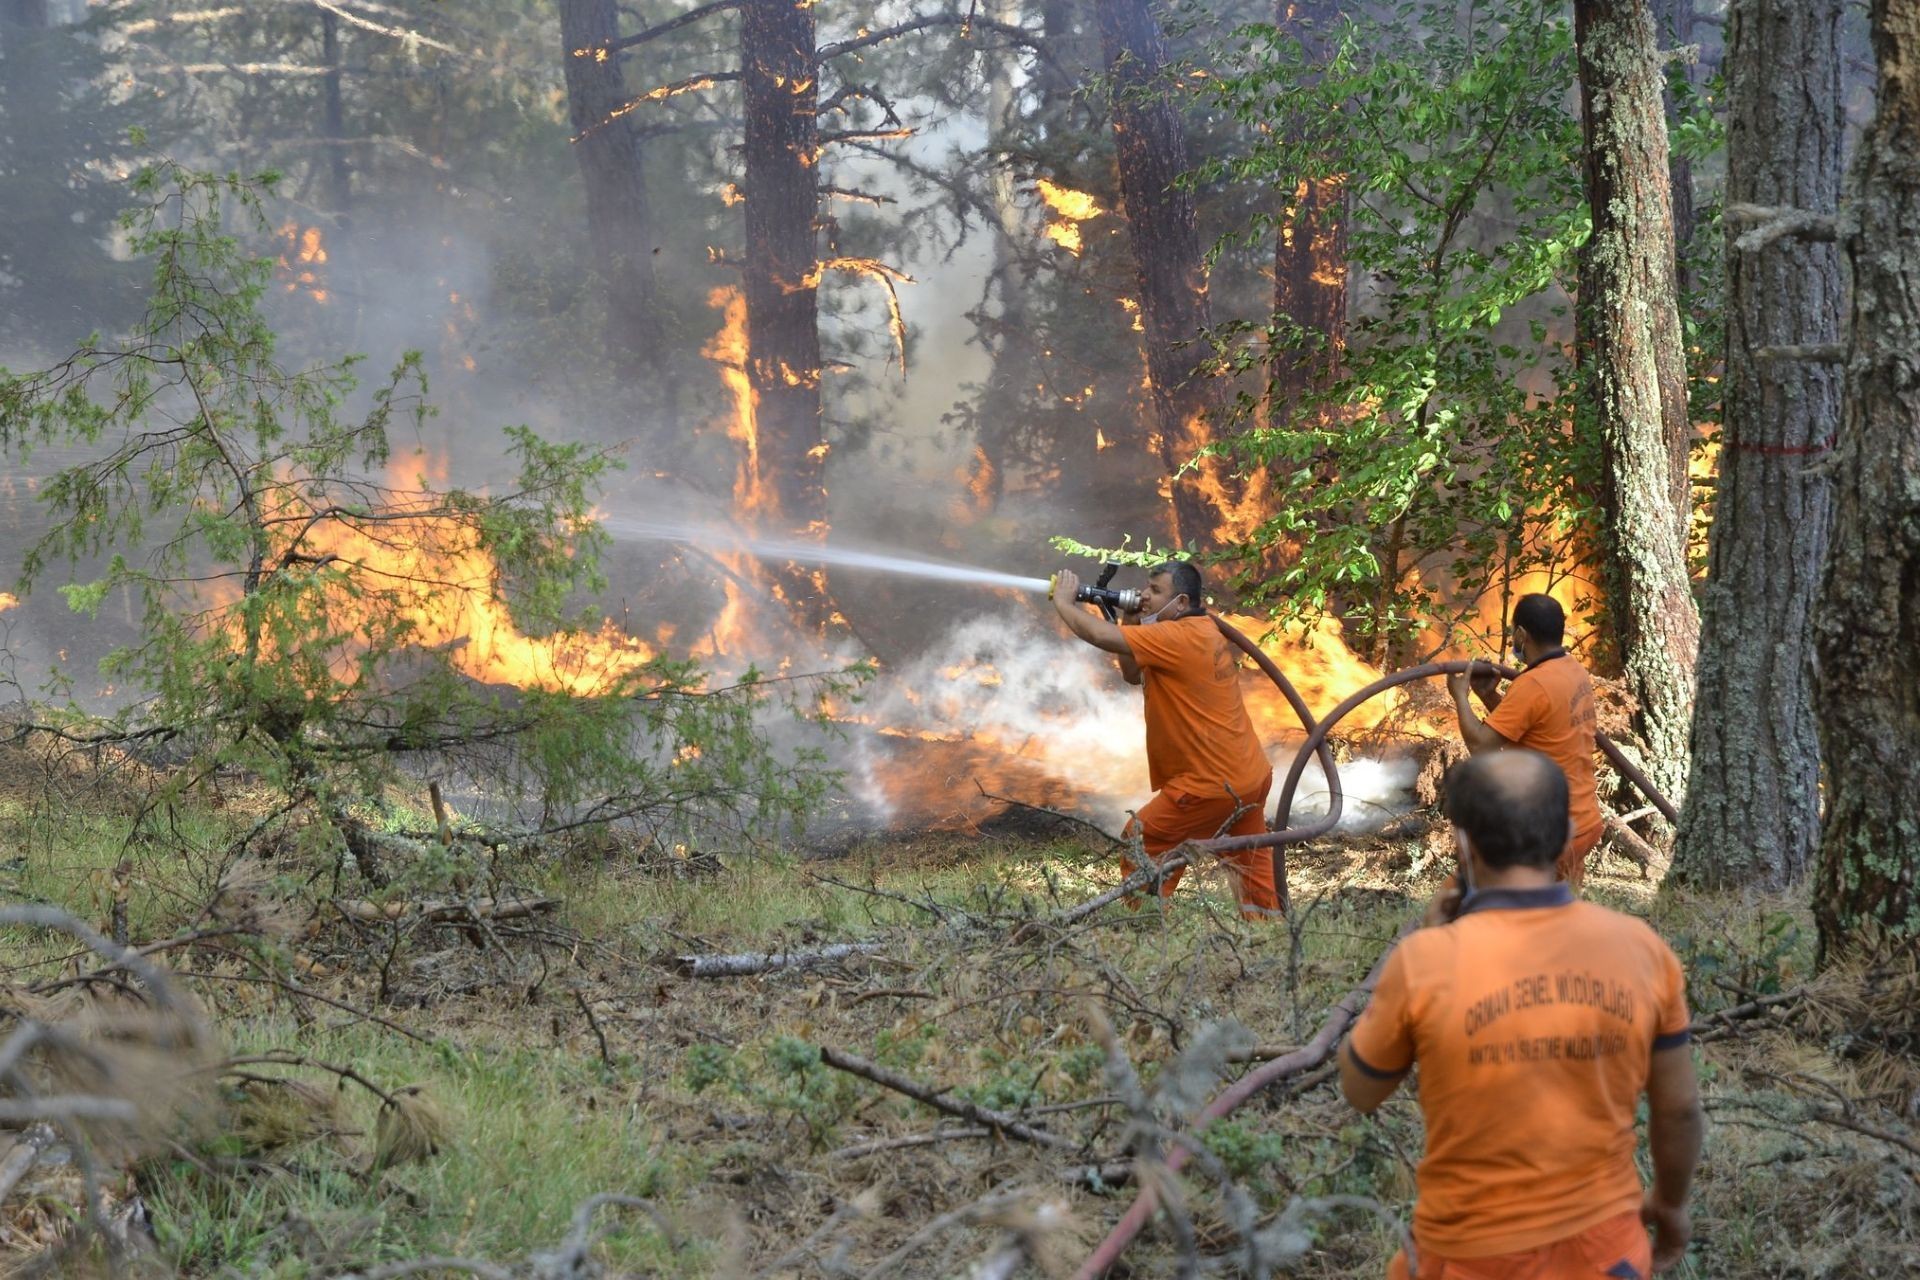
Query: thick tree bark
x=1310, y=251
x=779, y=82
x=1151, y=144
x=1673, y=20
x=1753, y=800
x=608, y=151
x=1867, y=629
x=1634, y=373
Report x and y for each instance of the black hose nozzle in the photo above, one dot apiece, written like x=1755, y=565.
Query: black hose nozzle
x=1126, y=600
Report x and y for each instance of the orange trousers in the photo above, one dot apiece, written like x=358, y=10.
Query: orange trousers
x=1617, y=1248
x=1173, y=817
x=1572, y=862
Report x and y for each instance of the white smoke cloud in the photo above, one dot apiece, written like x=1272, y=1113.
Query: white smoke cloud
x=1011, y=683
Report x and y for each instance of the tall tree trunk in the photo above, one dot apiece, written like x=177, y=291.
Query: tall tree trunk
x=1310, y=251
x=780, y=87
x=1150, y=140
x=1634, y=373
x=1753, y=800
x=334, y=123
x=1673, y=20
x=1867, y=629
x=608, y=151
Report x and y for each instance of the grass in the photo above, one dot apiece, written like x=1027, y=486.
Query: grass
x=708, y=1098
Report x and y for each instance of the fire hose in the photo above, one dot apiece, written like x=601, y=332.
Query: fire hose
x=1278, y=838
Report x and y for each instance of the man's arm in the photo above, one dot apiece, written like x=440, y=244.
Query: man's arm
x=1129, y=667
x=1092, y=628
x=1675, y=1128
x=1364, y=1086
x=1473, y=730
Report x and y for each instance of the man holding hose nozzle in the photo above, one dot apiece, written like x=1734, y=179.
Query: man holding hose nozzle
x=1537, y=1021
x=1548, y=708
x=1203, y=757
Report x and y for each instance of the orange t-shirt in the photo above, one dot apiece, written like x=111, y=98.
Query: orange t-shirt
x=1534, y=1018
x=1549, y=709
x=1199, y=739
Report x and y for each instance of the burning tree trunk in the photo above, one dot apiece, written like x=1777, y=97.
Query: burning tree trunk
x=1867, y=629
x=609, y=154
x=1753, y=800
x=1634, y=370
x=779, y=83
x=1310, y=251
x=1151, y=145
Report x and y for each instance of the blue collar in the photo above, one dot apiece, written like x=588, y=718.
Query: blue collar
x=1553, y=895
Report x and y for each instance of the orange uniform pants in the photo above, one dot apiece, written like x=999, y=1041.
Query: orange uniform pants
x=1615, y=1249
x=1173, y=817
x=1572, y=862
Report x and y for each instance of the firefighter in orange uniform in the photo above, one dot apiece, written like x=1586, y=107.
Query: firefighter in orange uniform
x=1548, y=708
x=1203, y=757
x=1537, y=1020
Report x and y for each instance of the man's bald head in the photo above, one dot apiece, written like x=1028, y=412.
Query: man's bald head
x=1512, y=805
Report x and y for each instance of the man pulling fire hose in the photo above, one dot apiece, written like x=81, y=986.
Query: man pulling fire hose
x=1204, y=760
x=1547, y=708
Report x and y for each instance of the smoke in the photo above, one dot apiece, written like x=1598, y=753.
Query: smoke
x=1048, y=709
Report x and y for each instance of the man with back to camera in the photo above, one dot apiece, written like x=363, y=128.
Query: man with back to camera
x=1536, y=1020
x=1548, y=708
x=1203, y=758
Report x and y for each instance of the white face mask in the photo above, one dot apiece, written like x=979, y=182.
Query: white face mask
x=1155, y=615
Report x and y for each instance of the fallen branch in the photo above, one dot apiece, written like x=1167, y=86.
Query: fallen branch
x=1841, y=1120
x=1718, y=1024
x=1261, y=1052
x=1150, y=875
x=939, y=1100
x=860, y=1150
x=1629, y=842
x=1305, y=1058
x=22, y=1156
x=749, y=963
x=444, y=910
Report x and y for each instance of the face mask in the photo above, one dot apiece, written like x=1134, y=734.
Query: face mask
x=1519, y=653
x=1154, y=617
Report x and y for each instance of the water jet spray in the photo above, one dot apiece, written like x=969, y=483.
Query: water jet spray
x=803, y=552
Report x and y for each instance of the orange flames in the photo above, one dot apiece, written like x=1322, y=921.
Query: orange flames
x=728, y=351
x=1066, y=210
x=302, y=260
x=443, y=590
x=1323, y=670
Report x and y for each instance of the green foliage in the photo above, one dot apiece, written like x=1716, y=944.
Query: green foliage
x=311, y=624
x=1439, y=459
x=807, y=1089
x=708, y=1065
x=1770, y=955
x=1245, y=1151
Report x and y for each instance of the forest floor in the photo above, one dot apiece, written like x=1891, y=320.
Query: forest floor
x=534, y=1062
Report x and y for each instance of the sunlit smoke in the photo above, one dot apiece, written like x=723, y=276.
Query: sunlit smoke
x=1039, y=704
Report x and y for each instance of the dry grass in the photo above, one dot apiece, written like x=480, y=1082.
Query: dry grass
x=560, y=1058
